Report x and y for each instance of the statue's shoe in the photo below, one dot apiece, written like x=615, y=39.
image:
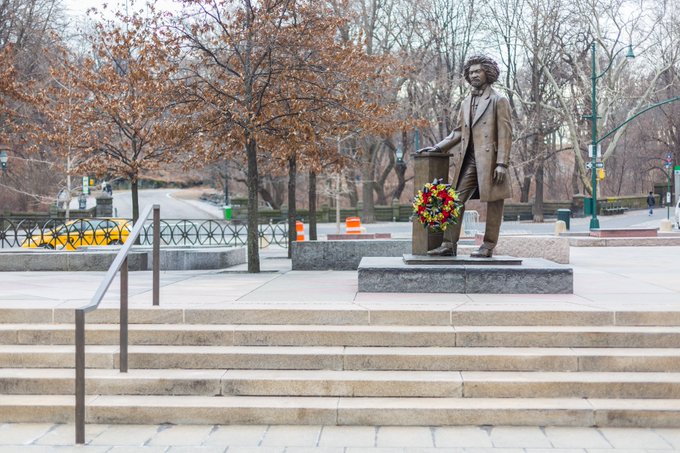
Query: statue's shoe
x=482, y=253
x=442, y=250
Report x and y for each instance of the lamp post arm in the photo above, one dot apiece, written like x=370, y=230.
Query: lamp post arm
x=645, y=110
x=611, y=61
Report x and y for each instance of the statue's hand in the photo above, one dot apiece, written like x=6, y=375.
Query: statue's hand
x=499, y=174
x=429, y=149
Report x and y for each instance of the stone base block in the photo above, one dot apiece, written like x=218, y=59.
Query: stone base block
x=139, y=259
x=177, y=259
x=659, y=241
x=343, y=255
x=350, y=236
x=551, y=248
x=624, y=232
x=533, y=276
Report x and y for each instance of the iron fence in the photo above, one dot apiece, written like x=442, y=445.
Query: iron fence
x=60, y=234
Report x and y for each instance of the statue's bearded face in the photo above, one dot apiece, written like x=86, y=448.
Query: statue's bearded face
x=477, y=76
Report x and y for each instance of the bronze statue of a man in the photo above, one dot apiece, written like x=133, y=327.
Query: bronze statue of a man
x=484, y=131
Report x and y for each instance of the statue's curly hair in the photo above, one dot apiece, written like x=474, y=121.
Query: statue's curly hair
x=489, y=66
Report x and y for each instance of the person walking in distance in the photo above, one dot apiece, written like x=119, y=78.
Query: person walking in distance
x=651, y=202
x=484, y=131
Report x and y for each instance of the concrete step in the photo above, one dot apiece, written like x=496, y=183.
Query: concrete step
x=330, y=335
x=234, y=335
x=376, y=314
x=343, y=411
x=350, y=358
x=468, y=384
x=569, y=336
x=584, y=384
x=236, y=382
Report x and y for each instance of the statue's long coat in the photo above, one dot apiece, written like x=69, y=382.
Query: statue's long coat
x=491, y=132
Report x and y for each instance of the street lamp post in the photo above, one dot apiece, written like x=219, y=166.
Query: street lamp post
x=594, y=222
x=668, y=193
x=667, y=163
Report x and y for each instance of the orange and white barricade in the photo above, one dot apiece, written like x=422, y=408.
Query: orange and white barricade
x=353, y=225
x=300, y=230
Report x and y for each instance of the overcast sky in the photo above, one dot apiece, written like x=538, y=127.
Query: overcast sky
x=78, y=8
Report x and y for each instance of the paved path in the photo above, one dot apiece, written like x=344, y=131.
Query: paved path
x=31, y=438
x=614, y=278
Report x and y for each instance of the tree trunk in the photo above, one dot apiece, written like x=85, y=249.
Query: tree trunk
x=134, y=191
x=225, y=176
x=574, y=179
x=400, y=167
x=367, y=186
x=292, y=173
x=539, y=172
x=524, y=189
x=400, y=170
x=367, y=195
x=312, y=206
x=352, y=192
x=252, y=177
x=269, y=198
x=537, y=209
x=272, y=190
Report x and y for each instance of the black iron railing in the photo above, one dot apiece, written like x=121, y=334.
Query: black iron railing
x=60, y=234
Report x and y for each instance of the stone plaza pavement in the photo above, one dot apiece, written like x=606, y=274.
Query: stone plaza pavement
x=613, y=278
x=36, y=438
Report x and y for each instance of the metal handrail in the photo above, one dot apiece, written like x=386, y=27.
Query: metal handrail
x=120, y=263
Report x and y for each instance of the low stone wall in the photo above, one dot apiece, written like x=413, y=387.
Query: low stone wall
x=179, y=259
x=139, y=259
x=60, y=261
x=553, y=248
x=343, y=255
x=659, y=241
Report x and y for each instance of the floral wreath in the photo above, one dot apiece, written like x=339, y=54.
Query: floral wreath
x=437, y=205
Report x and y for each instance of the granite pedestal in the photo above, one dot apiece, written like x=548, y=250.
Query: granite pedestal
x=492, y=276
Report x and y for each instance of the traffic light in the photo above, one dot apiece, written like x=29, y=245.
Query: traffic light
x=600, y=174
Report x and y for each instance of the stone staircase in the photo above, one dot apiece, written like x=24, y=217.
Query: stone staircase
x=351, y=366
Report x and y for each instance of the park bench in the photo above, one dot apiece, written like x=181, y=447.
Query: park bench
x=612, y=208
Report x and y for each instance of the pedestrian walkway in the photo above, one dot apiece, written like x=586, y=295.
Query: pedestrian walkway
x=619, y=278
x=609, y=278
x=336, y=439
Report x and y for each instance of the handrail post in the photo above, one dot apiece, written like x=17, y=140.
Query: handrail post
x=120, y=263
x=124, y=317
x=156, y=254
x=80, y=376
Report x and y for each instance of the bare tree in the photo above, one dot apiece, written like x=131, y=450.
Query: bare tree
x=29, y=37
x=529, y=40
